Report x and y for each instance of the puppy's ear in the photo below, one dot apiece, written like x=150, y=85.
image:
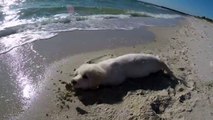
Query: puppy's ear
x=99, y=75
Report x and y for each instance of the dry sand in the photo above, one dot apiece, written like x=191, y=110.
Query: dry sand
x=185, y=49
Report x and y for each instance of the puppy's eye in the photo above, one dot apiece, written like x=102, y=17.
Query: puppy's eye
x=84, y=76
x=75, y=74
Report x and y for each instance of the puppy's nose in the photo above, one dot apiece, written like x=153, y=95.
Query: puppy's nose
x=73, y=82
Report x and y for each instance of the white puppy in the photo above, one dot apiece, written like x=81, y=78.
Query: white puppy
x=114, y=71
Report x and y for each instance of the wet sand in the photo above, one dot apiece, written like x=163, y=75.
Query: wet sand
x=66, y=44
x=185, y=48
x=23, y=68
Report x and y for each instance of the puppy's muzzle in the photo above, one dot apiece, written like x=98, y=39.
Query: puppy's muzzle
x=74, y=82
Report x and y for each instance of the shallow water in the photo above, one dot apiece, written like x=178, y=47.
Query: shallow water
x=24, y=21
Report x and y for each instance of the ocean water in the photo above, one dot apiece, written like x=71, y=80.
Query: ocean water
x=22, y=22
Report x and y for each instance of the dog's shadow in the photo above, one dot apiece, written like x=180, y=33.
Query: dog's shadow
x=114, y=94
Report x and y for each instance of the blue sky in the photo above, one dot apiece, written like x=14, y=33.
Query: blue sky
x=194, y=7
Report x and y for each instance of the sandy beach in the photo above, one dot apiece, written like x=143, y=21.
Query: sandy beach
x=185, y=47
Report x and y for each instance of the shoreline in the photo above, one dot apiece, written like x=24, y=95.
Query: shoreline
x=80, y=41
x=70, y=43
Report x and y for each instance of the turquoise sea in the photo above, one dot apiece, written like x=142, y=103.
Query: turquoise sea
x=31, y=20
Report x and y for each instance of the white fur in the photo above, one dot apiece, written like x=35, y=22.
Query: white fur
x=114, y=71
